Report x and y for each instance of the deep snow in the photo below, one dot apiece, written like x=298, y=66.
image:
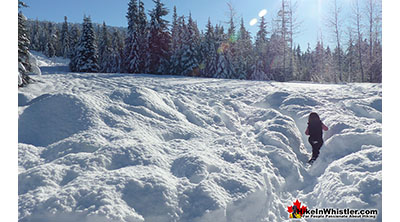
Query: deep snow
x=116, y=147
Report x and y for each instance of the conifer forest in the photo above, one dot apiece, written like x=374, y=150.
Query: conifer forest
x=152, y=44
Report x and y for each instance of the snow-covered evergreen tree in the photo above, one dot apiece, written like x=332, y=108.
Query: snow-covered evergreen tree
x=210, y=55
x=329, y=70
x=224, y=68
x=117, y=52
x=142, y=37
x=244, y=53
x=224, y=60
x=57, y=43
x=131, y=64
x=158, y=39
x=176, y=43
x=49, y=50
x=220, y=47
x=306, y=64
x=24, y=65
x=318, y=65
x=65, y=38
x=35, y=36
x=231, y=56
x=274, y=59
x=190, y=49
x=175, y=40
x=85, y=58
x=105, y=62
x=375, y=69
x=260, y=69
x=74, y=40
x=282, y=33
x=49, y=47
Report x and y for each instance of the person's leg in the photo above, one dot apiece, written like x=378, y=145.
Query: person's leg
x=316, y=147
x=312, y=143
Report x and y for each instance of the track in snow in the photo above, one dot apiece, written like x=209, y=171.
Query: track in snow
x=120, y=147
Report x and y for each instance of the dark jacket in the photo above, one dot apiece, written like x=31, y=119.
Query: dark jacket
x=314, y=129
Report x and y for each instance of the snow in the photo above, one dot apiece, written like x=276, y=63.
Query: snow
x=116, y=147
x=34, y=64
x=50, y=65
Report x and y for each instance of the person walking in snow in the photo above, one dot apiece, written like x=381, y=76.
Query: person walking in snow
x=314, y=130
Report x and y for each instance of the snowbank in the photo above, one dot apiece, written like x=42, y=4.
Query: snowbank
x=99, y=147
x=49, y=65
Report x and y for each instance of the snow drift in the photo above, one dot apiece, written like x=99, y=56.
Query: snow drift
x=113, y=147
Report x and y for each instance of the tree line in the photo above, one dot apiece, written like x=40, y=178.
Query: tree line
x=151, y=44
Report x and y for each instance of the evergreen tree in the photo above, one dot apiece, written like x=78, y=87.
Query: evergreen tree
x=190, y=47
x=142, y=37
x=306, y=65
x=74, y=36
x=298, y=63
x=274, y=64
x=318, y=59
x=117, y=52
x=329, y=66
x=35, y=36
x=105, y=50
x=282, y=71
x=210, y=47
x=176, y=66
x=23, y=45
x=350, y=58
x=65, y=39
x=338, y=65
x=74, y=40
x=260, y=69
x=132, y=42
x=49, y=49
x=175, y=41
x=224, y=62
x=158, y=40
x=57, y=43
x=231, y=54
x=85, y=58
x=375, y=69
x=178, y=26
x=244, y=51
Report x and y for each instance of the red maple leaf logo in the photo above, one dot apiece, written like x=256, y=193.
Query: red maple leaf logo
x=290, y=209
x=297, y=204
x=296, y=210
x=303, y=210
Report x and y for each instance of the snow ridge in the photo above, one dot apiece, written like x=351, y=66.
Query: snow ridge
x=114, y=147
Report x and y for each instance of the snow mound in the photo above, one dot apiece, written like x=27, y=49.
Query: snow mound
x=148, y=102
x=342, y=145
x=123, y=148
x=51, y=118
x=358, y=182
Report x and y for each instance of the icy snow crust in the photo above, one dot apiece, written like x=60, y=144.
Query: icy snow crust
x=113, y=147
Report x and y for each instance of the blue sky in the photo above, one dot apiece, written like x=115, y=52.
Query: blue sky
x=310, y=12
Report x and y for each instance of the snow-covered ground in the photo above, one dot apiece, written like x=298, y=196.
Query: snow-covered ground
x=116, y=147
